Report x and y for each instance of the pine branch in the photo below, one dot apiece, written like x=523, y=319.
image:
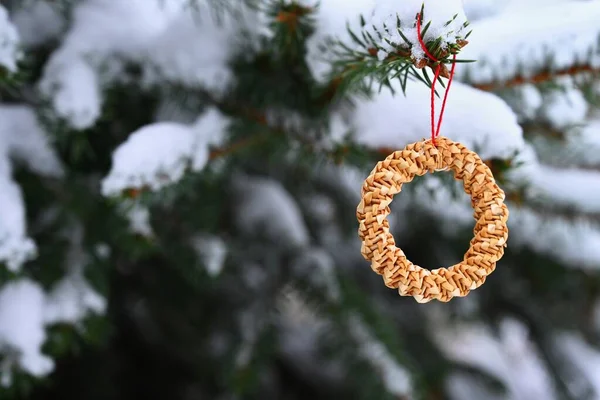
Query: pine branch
x=371, y=56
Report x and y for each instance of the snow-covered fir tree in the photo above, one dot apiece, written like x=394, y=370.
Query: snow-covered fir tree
x=179, y=182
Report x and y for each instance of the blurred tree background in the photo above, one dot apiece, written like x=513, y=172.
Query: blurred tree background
x=179, y=182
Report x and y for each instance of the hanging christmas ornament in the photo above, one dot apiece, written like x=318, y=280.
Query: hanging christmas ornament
x=386, y=180
x=487, y=199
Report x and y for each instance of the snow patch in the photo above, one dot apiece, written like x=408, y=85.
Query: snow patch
x=318, y=267
x=168, y=39
x=38, y=22
x=27, y=142
x=154, y=156
x=479, y=120
x=334, y=15
x=22, y=325
x=212, y=251
x=266, y=208
x=195, y=50
x=395, y=377
x=159, y=154
x=9, y=42
x=22, y=139
x=73, y=86
x=510, y=356
x=565, y=108
x=138, y=217
x=15, y=247
x=527, y=40
x=585, y=143
x=71, y=300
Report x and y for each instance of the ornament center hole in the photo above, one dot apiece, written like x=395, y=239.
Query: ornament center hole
x=432, y=220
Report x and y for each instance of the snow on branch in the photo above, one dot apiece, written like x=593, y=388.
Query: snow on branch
x=22, y=328
x=138, y=217
x=154, y=156
x=583, y=355
x=585, y=143
x=571, y=188
x=9, y=42
x=171, y=42
x=102, y=33
x=527, y=41
x=159, y=154
x=509, y=356
x=26, y=310
x=211, y=251
x=443, y=21
x=395, y=378
x=27, y=142
x=22, y=139
x=195, y=51
x=265, y=206
x=479, y=120
x=318, y=267
x=379, y=33
x=564, y=108
x=15, y=247
x=38, y=22
x=72, y=298
x=576, y=149
x=302, y=328
x=74, y=88
x=574, y=242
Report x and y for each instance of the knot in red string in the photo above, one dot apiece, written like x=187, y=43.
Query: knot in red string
x=435, y=132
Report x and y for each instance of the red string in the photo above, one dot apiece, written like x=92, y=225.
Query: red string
x=435, y=132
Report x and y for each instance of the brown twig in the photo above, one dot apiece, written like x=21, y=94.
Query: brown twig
x=540, y=77
x=238, y=144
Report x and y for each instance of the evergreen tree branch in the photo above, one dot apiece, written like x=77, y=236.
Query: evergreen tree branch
x=258, y=117
x=360, y=63
x=514, y=195
x=498, y=167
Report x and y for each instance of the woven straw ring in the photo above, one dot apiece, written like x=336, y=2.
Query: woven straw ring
x=490, y=212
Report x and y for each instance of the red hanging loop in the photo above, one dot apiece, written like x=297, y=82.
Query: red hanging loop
x=435, y=132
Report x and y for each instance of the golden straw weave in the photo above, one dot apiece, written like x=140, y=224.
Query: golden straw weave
x=490, y=212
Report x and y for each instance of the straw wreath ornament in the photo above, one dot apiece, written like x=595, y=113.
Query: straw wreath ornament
x=490, y=212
